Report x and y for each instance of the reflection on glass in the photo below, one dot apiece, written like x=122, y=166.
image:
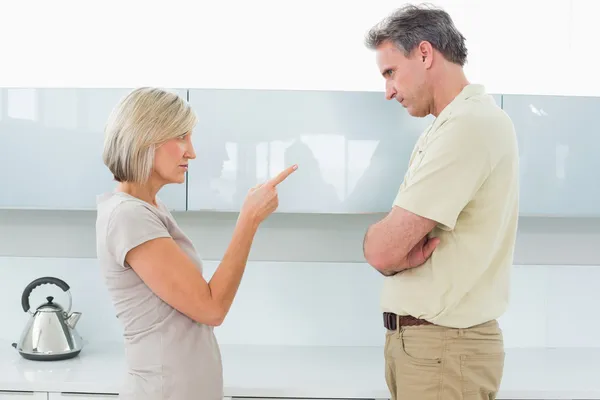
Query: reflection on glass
x=310, y=190
x=558, y=142
x=276, y=156
x=22, y=104
x=360, y=153
x=229, y=173
x=327, y=152
x=352, y=148
x=538, y=112
x=262, y=161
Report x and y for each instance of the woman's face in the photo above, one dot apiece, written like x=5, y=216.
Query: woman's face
x=171, y=159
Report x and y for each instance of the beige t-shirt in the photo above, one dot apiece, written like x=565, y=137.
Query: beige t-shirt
x=463, y=173
x=169, y=355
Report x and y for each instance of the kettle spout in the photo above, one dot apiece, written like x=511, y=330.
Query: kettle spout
x=73, y=319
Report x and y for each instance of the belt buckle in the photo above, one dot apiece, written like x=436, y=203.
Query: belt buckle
x=391, y=320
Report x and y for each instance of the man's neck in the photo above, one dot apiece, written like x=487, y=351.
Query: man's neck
x=450, y=82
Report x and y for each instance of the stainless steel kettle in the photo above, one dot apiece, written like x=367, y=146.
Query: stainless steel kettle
x=50, y=332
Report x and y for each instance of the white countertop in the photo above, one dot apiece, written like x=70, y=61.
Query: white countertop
x=317, y=372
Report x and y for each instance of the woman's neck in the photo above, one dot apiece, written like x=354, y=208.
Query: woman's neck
x=145, y=192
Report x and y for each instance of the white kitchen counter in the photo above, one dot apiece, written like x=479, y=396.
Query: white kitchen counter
x=317, y=372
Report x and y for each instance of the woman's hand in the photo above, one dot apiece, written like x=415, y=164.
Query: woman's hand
x=262, y=199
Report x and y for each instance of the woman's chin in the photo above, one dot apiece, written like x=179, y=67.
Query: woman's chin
x=174, y=180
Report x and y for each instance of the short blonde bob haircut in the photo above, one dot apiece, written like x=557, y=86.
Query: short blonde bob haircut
x=141, y=121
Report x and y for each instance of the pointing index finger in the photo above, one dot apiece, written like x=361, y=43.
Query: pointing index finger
x=283, y=175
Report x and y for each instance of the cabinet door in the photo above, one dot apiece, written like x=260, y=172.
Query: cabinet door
x=558, y=141
x=82, y=396
x=51, y=144
x=352, y=148
x=10, y=395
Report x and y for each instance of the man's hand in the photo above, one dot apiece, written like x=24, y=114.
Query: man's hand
x=421, y=252
x=415, y=258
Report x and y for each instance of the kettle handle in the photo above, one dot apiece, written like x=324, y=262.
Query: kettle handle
x=42, y=281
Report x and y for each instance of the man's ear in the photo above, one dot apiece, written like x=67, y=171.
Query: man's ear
x=425, y=51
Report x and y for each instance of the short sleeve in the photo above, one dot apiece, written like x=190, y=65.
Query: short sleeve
x=453, y=167
x=130, y=225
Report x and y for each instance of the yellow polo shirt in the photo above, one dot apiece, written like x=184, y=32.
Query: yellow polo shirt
x=464, y=174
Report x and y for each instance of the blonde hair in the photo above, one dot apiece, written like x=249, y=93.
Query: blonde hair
x=142, y=120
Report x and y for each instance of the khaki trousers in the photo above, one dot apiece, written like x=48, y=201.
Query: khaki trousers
x=431, y=362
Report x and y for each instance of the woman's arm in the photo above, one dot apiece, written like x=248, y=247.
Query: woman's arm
x=174, y=277
x=169, y=273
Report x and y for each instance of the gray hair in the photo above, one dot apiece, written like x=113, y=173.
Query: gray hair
x=410, y=25
x=143, y=120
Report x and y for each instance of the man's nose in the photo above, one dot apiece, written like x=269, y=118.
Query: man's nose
x=390, y=91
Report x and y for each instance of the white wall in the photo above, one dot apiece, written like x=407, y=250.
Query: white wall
x=515, y=46
x=307, y=282
x=329, y=304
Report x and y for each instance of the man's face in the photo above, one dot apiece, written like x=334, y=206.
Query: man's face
x=404, y=78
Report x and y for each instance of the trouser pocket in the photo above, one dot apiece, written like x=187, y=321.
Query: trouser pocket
x=418, y=365
x=421, y=349
x=481, y=375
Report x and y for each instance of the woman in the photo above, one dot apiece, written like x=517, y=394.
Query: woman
x=151, y=268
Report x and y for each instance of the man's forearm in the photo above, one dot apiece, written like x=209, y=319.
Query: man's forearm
x=399, y=241
x=378, y=258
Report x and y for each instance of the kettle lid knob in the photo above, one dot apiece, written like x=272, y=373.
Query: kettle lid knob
x=42, y=281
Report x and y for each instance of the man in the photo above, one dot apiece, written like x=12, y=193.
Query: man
x=446, y=247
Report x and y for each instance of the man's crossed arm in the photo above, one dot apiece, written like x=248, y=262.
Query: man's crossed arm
x=399, y=241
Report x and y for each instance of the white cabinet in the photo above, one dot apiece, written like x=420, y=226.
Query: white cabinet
x=352, y=148
x=82, y=396
x=51, y=148
x=10, y=395
x=559, y=137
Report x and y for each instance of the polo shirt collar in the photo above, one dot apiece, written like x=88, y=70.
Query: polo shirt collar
x=472, y=89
